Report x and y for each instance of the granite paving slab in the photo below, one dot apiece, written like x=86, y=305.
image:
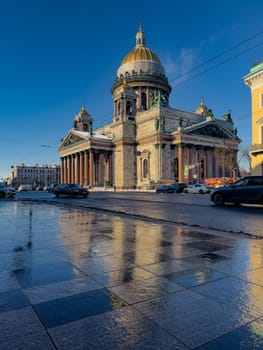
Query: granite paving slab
x=64, y=310
x=21, y=329
x=191, y=318
x=61, y=289
x=248, y=337
x=120, y=329
x=137, y=291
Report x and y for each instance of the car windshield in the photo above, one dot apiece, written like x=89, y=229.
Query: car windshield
x=242, y=182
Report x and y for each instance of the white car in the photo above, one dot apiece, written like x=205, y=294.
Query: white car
x=197, y=188
x=22, y=188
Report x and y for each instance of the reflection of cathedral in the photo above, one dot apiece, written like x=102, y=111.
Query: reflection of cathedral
x=147, y=142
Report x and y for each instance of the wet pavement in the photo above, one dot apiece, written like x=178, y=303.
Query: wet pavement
x=76, y=278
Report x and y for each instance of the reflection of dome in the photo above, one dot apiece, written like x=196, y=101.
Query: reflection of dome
x=141, y=58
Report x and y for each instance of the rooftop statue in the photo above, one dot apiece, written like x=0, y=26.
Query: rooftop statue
x=227, y=116
x=209, y=113
x=159, y=100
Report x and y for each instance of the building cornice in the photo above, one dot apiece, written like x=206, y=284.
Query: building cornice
x=252, y=77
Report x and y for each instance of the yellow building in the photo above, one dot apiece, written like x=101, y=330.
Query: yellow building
x=148, y=142
x=255, y=81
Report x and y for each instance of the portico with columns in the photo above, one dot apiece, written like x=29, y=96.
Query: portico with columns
x=86, y=158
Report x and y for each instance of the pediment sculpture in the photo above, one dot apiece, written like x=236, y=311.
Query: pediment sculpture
x=212, y=131
x=72, y=140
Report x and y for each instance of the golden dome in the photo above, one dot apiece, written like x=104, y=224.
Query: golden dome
x=141, y=63
x=141, y=53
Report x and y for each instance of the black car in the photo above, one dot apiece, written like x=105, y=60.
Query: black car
x=164, y=189
x=247, y=190
x=71, y=190
x=178, y=187
x=6, y=191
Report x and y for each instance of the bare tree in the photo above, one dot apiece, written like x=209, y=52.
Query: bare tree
x=227, y=157
x=244, y=155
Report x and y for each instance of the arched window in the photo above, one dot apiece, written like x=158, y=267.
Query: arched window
x=118, y=108
x=129, y=108
x=145, y=168
x=143, y=101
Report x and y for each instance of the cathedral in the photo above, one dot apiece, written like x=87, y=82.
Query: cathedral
x=148, y=142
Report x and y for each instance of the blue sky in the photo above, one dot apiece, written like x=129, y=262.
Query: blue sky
x=57, y=55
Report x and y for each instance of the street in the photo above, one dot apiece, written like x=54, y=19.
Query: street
x=186, y=209
x=122, y=270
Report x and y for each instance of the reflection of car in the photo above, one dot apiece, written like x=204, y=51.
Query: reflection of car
x=69, y=189
x=197, y=188
x=6, y=191
x=246, y=190
x=178, y=187
x=164, y=189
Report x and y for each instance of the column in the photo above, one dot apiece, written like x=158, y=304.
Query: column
x=62, y=166
x=110, y=169
x=139, y=98
x=197, y=168
x=68, y=178
x=91, y=167
x=101, y=169
x=187, y=176
x=72, y=178
x=149, y=167
x=77, y=168
x=180, y=163
x=148, y=99
x=140, y=170
x=205, y=163
x=64, y=170
x=86, y=167
x=81, y=163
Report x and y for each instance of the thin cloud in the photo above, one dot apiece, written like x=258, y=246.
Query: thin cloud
x=170, y=64
x=178, y=65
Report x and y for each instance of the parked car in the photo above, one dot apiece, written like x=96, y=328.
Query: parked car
x=51, y=187
x=197, y=188
x=164, y=189
x=22, y=188
x=178, y=187
x=248, y=190
x=71, y=190
x=6, y=191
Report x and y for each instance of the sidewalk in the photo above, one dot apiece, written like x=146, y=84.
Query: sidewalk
x=81, y=279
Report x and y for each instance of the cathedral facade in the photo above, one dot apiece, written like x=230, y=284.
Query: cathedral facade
x=147, y=142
